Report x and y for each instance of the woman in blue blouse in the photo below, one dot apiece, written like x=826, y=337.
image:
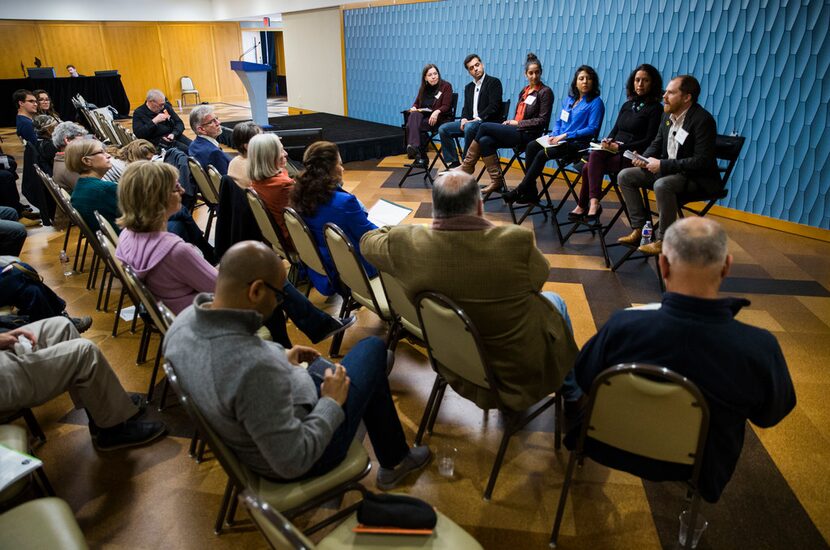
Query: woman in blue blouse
x=576, y=125
x=318, y=197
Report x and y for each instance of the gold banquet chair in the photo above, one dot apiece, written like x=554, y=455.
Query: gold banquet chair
x=290, y=498
x=648, y=411
x=282, y=535
x=42, y=523
x=455, y=347
x=401, y=306
x=209, y=193
x=272, y=233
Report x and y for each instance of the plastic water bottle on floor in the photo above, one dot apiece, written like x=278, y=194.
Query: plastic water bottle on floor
x=647, y=232
x=67, y=271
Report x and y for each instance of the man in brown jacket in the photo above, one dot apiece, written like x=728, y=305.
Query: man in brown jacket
x=496, y=275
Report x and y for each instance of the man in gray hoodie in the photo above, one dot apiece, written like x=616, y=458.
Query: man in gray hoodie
x=281, y=420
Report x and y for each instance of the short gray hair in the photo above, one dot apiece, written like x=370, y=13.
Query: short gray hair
x=64, y=131
x=198, y=115
x=264, y=152
x=455, y=194
x=154, y=94
x=695, y=241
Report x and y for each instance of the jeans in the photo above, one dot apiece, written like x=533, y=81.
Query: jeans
x=312, y=322
x=537, y=156
x=12, y=233
x=370, y=400
x=182, y=224
x=570, y=389
x=450, y=130
x=665, y=188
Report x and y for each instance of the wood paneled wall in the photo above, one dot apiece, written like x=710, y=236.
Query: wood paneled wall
x=148, y=55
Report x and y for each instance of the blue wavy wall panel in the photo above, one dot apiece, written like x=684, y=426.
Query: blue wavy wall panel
x=763, y=67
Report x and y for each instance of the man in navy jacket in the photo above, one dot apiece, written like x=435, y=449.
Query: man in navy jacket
x=205, y=148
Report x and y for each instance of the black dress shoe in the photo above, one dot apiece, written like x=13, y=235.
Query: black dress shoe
x=29, y=214
x=594, y=218
x=411, y=151
x=419, y=163
x=576, y=215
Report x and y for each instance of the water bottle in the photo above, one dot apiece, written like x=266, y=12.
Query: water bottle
x=67, y=271
x=646, y=238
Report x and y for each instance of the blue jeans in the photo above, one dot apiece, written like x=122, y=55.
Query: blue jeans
x=570, y=389
x=450, y=130
x=182, y=224
x=370, y=400
x=12, y=233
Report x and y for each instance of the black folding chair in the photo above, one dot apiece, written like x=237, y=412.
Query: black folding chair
x=413, y=170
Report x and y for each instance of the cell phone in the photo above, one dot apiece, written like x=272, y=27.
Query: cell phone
x=318, y=367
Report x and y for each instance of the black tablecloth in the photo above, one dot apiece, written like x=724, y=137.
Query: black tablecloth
x=100, y=90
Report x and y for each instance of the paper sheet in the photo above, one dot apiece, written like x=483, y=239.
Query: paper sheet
x=385, y=212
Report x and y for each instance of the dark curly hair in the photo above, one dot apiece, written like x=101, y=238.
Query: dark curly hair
x=316, y=184
x=655, y=94
x=594, y=78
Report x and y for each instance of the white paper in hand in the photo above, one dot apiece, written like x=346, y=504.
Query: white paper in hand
x=385, y=212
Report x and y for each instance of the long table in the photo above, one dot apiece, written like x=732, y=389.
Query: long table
x=100, y=90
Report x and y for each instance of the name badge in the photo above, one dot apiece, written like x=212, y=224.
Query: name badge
x=438, y=95
x=565, y=115
x=530, y=100
x=681, y=136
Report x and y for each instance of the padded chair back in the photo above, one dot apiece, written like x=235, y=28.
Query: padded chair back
x=202, y=181
x=238, y=473
x=400, y=303
x=52, y=188
x=351, y=272
x=159, y=313
x=505, y=109
x=78, y=220
x=452, y=340
x=303, y=241
x=271, y=232
x=106, y=228
x=108, y=252
x=187, y=84
x=649, y=411
x=104, y=124
x=124, y=135
x=277, y=530
x=215, y=181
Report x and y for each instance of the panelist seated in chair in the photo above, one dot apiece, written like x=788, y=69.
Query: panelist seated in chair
x=739, y=368
x=281, y=420
x=173, y=270
x=157, y=122
x=319, y=198
x=681, y=159
x=430, y=109
x=530, y=121
x=495, y=273
x=482, y=103
x=636, y=126
x=205, y=148
x=577, y=123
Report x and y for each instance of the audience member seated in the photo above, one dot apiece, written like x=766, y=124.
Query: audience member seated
x=172, y=269
x=495, y=273
x=9, y=195
x=431, y=108
x=281, y=420
x=26, y=111
x=44, y=105
x=531, y=120
x=238, y=167
x=64, y=133
x=739, y=368
x=318, y=196
x=90, y=160
x=267, y=172
x=44, y=127
x=636, y=126
x=577, y=124
x=205, y=148
x=482, y=103
x=157, y=122
x=680, y=159
x=12, y=233
x=63, y=361
x=117, y=164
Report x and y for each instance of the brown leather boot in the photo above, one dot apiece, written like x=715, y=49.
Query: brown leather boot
x=469, y=163
x=494, y=170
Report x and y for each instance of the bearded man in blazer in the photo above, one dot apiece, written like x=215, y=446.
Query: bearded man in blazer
x=495, y=273
x=681, y=159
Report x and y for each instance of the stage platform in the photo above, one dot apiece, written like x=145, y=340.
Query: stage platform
x=357, y=139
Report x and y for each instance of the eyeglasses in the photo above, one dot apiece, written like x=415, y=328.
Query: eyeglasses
x=96, y=153
x=279, y=294
x=212, y=121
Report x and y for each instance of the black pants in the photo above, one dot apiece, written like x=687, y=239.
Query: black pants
x=537, y=156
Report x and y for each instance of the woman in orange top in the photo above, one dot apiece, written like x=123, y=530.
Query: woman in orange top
x=266, y=169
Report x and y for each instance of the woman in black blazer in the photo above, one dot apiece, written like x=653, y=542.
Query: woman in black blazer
x=431, y=109
x=637, y=124
x=530, y=121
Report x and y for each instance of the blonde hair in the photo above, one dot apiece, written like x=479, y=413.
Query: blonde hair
x=77, y=150
x=137, y=150
x=264, y=153
x=143, y=195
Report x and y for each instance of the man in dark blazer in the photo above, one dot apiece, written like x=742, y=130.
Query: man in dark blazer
x=482, y=103
x=158, y=123
x=205, y=148
x=681, y=159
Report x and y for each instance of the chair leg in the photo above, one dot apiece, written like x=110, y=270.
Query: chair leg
x=191, y=452
x=66, y=237
x=44, y=483
x=211, y=215
x=558, y=413
x=164, y=390
x=439, y=399
x=34, y=426
x=427, y=410
x=223, y=508
x=200, y=452
x=101, y=290
x=694, y=511
x=109, y=292
x=560, y=510
x=232, y=507
x=153, y=376
x=505, y=441
x=334, y=349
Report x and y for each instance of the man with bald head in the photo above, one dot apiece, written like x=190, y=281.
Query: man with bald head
x=157, y=122
x=496, y=274
x=739, y=368
x=281, y=420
